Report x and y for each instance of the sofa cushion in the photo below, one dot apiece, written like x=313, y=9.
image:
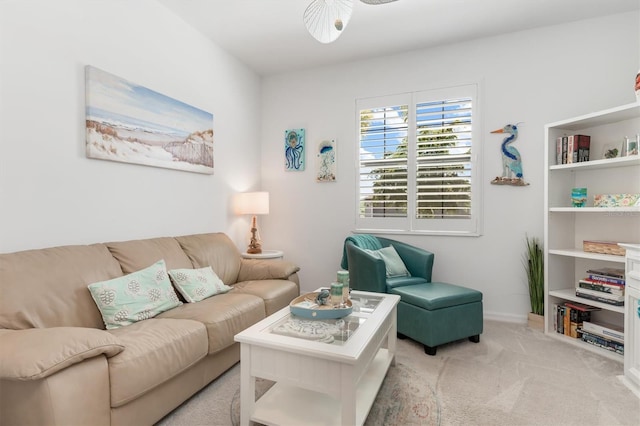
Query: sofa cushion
x=156, y=350
x=224, y=316
x=197, y=284
x=135, y=297
x=138, y=254
x=48, y=287
x=215, y=250
x=436, y=295
x=275, y=293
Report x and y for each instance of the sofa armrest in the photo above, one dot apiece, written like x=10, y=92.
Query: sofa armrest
x=35, y=353
x=256, y=269
x=366, y=272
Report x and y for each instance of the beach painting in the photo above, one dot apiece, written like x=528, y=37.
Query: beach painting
x=129, y=123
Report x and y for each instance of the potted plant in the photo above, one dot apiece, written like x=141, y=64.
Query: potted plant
x=534, y=266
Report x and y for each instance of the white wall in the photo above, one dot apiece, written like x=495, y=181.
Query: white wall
x=50, y=193
x=534, y=77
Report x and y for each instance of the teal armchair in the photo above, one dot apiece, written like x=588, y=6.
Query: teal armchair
x=368, y=273
x=432, y=313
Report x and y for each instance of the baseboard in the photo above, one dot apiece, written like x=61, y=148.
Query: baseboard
x=498, y=316
x=632, y=386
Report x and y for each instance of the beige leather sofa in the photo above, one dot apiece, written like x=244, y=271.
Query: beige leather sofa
x=58, y=364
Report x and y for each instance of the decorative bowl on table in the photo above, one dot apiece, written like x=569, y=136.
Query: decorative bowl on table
x=306, y=306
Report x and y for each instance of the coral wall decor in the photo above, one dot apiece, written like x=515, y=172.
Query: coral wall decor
x=129, y=123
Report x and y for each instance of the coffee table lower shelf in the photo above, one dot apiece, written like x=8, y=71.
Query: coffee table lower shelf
x=287, y=405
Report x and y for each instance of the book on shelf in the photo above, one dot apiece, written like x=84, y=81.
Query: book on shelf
x=584, y=143
x=602, y=287
x=576, y=319
x=563, y=149
x=613, y=297
x=608, y=272
x=560, y=319
x=606, y=279
x=581, y=306
x=600, y=297
x=570, y=316
x=559, y=150
x=566, y=321
x=604, y=330
x=572, y=149
x=602, y=342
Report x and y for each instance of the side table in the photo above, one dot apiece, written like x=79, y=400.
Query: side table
x=266, y=254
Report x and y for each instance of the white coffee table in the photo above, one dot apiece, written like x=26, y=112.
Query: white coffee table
x=328, y=372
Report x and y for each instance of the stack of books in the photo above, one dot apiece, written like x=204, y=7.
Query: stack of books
x=572, y=149
x=571, y=316
x=606, y=336
x=604, y=285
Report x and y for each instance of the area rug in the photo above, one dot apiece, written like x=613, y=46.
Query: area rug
x=405, y=398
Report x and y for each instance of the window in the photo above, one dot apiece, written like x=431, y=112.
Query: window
x=418, y=169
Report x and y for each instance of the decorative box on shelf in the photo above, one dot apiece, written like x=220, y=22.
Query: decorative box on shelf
x=616, y=200
x=603, y=247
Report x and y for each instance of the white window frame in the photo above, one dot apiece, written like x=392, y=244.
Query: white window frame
x=411, y=224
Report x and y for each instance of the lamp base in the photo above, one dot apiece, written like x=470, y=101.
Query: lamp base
x=255, y=245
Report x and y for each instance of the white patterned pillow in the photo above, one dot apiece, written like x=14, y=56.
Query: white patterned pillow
x=197, y=284
x=140, y=295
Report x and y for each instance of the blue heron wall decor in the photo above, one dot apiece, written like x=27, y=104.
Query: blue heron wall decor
x=511, y=159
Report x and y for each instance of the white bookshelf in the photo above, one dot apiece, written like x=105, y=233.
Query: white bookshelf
x=566, y=227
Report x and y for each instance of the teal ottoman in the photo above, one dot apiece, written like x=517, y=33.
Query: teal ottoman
x=437, y=313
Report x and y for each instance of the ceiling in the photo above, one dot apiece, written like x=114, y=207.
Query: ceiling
x=270, y=37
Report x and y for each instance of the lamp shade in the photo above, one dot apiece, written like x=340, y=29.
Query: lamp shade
x=251, y=203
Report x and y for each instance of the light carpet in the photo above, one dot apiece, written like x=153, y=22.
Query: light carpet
x=402, y=400
x=514, y=376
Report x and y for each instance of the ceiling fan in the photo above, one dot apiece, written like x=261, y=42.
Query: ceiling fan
x=325, y=19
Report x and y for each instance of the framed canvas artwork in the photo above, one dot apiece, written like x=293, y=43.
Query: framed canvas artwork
x=326, y=161
x=294, y=149
x=129, y=123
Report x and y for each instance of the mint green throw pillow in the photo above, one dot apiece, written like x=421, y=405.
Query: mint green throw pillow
x=197, y=284
x=140, y=295
x=394, y=265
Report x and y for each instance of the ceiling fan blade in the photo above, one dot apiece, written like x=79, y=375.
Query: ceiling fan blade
x=377, y=1
x=325, y=19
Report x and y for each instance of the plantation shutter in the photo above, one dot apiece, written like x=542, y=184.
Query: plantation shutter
x=383, y=162
x=417, y=163
x=443, y=159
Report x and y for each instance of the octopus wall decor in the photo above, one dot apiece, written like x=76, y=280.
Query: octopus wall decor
x=294, y=149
